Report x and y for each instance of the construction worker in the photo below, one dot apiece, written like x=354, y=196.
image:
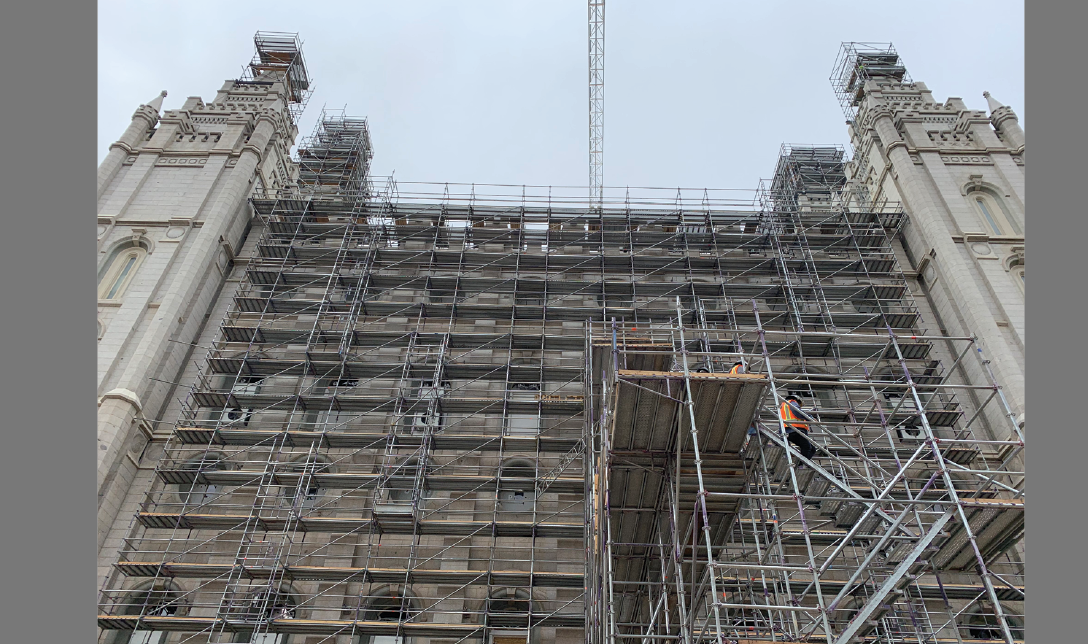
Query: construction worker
x=797, y=431
x=738, y=367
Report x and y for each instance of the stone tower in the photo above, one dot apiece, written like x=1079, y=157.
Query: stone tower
x=959, y=175
x=172, y=210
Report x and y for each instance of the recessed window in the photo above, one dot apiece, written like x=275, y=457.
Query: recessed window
x=987, y=215
x=389, y=604
x=982, y=624
x=511, y=608
x=515, y=495
x=158, y=599
x=119, y=272
x=992, y=214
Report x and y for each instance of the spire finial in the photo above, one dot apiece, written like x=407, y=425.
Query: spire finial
x=156, y=103
x=992, y=102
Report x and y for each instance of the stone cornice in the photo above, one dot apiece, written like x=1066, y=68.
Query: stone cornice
x=156, y=223
x=179, y=118
x=123, y=394
x=1002, y=114
x=993, y=239
x=971, y=117
x=146, y=112
x=896, y=144
x=879, y=111
x=249, y=147
x=973, y=150
x=280, y=125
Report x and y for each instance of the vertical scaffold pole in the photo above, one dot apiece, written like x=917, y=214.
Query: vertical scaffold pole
x=701, y=500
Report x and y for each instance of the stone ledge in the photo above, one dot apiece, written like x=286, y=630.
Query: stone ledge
x=123, y=394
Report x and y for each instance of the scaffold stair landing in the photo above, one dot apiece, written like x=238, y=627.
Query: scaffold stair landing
x=648, y=404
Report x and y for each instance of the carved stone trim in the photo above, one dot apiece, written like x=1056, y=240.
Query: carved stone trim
x=964, y=159
x=184, y=161
x=1016, y=259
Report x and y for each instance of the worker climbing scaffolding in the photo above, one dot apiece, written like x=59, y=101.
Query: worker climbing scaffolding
x=793, y=419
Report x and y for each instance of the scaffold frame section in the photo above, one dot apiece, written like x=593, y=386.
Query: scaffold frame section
x=858, y=62
x=775, y=546
x=279, y=55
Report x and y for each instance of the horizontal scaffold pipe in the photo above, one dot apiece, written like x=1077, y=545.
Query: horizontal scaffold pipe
x=759, y=566
x=988, y=503
x=883, y=336
x=801, y=609
x=829, y=381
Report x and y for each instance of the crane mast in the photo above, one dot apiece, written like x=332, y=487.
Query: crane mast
x=596, y=103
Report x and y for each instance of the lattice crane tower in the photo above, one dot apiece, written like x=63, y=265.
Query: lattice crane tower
x=596, y=102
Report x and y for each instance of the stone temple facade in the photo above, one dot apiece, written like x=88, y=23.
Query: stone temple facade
x=333, y=408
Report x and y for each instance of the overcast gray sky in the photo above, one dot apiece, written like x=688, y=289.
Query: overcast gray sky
x=697, y=94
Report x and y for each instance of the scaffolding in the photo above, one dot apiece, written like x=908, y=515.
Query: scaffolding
x=710, y=526
x=859, y=62
x=277, y=56
x=489, y=413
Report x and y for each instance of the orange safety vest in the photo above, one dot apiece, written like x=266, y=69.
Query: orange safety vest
x=736, y=369
x=785, y=412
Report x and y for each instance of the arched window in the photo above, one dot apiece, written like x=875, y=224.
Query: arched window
x=153, y=599
x=389, y=604
x=992, y=214
x=982, y=624
x=117, y=273
x=510, y=602
x=514, y=495
x=508, y=609
x=200, y=491
x=1015, y=267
